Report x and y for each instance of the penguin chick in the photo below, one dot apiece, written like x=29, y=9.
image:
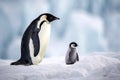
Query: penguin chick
x=35, y=40
x=72, y=55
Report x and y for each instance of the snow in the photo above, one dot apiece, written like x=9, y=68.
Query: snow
x=104, y=66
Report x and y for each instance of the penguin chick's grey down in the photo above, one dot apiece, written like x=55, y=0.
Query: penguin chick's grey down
x=35, y=40
x=72, y=55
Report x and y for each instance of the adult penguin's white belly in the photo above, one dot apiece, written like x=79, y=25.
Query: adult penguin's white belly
x=44, y=36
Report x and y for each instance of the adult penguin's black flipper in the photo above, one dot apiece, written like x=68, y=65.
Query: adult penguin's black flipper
x=36, y=42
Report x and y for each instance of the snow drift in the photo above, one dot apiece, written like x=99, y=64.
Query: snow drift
x=91, y=67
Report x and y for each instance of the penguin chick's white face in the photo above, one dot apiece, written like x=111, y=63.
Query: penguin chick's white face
x=73, y=45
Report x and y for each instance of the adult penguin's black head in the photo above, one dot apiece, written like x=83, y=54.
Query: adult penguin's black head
x=73, y=44
x=50, y=17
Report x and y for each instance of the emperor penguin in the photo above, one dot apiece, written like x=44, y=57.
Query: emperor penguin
x=35, y=40
x=72, y=54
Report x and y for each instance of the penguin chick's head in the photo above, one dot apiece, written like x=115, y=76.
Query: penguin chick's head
x=49, y=17
x=73, y=45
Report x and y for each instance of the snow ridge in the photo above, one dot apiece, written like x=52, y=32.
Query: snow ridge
x=91, y=67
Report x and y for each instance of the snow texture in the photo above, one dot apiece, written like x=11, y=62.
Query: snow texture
x=104, y=66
